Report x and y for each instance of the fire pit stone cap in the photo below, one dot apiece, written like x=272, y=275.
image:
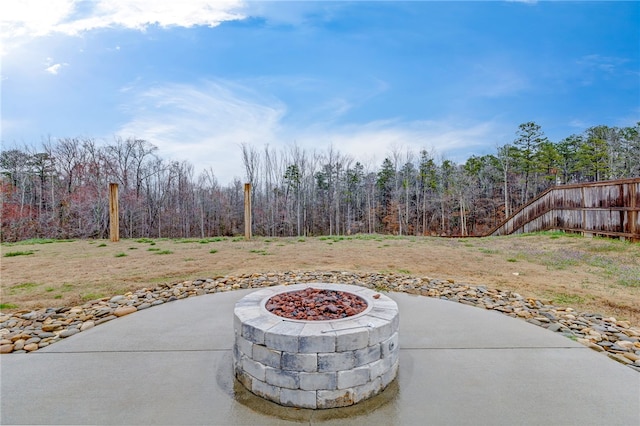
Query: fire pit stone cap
x=379, y=320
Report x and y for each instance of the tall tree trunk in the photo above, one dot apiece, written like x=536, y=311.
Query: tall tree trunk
x=506, y=195
x=463, y=219
x=442, y=216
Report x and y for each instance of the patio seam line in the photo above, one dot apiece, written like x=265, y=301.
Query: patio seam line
x=228, y=350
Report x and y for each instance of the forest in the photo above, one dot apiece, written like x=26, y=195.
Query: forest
x=60, y=189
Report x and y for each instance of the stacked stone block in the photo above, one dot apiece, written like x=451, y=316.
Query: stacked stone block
x=316, y=364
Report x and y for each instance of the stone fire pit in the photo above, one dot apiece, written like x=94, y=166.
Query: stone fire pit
x=316, y=363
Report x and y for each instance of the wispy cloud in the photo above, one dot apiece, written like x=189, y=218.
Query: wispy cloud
x=296, y=14
x=333, y=104
x=495, y=77
x=52, y=68
x=597, y=66
x=606, y=64
x=24, y=19
x=205, y=125
x=578, y=124
x=372, y=142
x=631, y=119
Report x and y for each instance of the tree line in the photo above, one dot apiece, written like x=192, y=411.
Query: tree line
x=60, y=189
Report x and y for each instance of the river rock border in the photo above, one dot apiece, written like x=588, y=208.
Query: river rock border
x=316, y=364
x=29, y=330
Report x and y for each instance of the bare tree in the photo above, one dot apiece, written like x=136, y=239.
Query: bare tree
x=505, y=157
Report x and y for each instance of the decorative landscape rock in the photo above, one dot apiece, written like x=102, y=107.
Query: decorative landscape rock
x=595, y=330
x=315, y=304
x=316, y=363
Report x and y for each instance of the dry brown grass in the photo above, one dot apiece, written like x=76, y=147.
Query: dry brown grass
x=592, y=275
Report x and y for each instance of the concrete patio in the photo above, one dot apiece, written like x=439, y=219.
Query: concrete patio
x=459, y=365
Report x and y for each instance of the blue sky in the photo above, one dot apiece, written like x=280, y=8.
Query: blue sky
x=198, y=78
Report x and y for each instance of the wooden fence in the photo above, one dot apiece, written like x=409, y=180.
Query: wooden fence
x=609, y=208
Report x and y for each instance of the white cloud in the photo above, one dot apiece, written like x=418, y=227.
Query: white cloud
x=32, y=17
x=578, y=123
x=604, y=64
x=205, y=125
x=138, y=14
x=374, y=141
x=23, y=19
x=53, y=69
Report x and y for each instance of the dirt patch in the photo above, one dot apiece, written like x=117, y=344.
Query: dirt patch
x=593, y=275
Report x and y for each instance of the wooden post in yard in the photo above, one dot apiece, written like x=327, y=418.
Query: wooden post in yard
x=247, y=211
x=114, y=222
x=632, y=214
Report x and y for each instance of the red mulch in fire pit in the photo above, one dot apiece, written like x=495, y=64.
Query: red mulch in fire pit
x=314, y=304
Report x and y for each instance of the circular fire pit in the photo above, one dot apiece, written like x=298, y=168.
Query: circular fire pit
x=316, y=363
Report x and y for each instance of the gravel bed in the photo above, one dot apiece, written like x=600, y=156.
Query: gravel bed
x=27, y=331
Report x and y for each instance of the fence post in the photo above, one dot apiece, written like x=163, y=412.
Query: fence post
x=247, y=211
x=632, y=213
x=114, y=221
x=584, y=215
